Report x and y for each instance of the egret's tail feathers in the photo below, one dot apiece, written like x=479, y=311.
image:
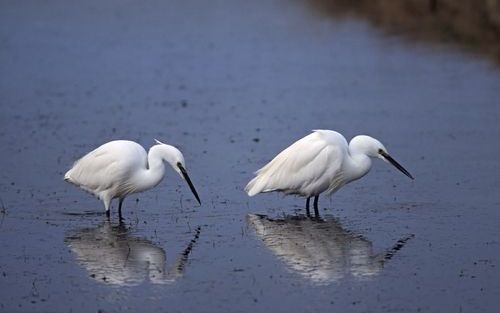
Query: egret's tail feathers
x=67, y=176
x=255, y=186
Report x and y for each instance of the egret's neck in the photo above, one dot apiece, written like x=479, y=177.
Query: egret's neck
x=156, y=167
x=358, y=164
x=153, y=174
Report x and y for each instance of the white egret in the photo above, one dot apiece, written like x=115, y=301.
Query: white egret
x=320, y=162
x=121, y=167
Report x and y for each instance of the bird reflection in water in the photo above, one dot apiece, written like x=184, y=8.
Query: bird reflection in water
x=111, y=255
x=321, y=250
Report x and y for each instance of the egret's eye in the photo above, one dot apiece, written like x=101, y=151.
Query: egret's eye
x=179, y=164
x=380, y=151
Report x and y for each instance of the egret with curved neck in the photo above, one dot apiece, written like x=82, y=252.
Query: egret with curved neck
x=121, y=167
x=320, y=162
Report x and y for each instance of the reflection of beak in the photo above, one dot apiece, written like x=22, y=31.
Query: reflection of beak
x=191, y=186
x=396, y=164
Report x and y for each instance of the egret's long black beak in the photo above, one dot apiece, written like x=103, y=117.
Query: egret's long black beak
x=191, y=186
x=396, y=164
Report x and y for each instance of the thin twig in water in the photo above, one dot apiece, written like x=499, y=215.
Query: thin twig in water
x=3, y=210
x=34, y=290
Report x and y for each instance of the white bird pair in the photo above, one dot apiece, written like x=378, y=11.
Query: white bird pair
x=320, y=162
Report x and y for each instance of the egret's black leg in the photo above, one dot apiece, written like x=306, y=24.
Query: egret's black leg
x=108, y=214
x=307, y=206
x=316, y=212
x=120, y=208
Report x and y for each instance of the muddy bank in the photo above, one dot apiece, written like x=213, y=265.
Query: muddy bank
x=471, y=25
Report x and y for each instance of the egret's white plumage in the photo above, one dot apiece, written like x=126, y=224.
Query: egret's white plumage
x=121, y=167
x=320, y=162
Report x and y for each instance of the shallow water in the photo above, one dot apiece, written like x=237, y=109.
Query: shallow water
x=231, y=84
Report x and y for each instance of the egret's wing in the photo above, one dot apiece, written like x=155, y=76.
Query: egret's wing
x=306, y=164
x=94, y=170
x=105, y=166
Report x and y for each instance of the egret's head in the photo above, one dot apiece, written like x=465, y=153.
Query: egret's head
x=174, y=157
x=367, y=145
x=375, y=149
